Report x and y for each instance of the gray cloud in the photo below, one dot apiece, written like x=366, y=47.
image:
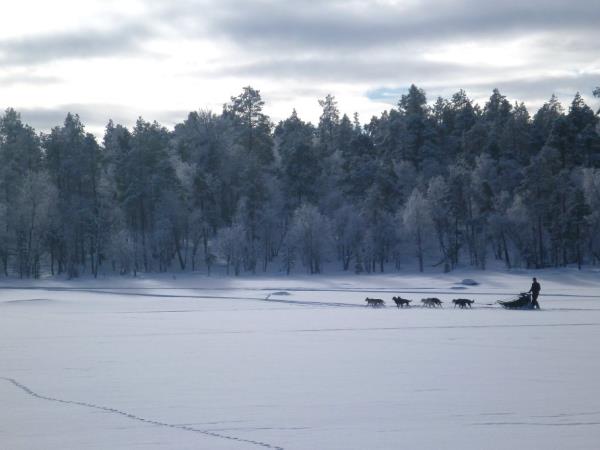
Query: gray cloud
x=96, y=116
x=346, y=69
x=383, y=44
x=335, y=25
x=77, y=44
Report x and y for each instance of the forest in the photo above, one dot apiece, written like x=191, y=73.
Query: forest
x=425, y=186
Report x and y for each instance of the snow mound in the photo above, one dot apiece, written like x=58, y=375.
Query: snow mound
x=281, y=293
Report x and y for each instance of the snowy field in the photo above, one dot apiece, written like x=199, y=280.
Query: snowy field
x=299, y=363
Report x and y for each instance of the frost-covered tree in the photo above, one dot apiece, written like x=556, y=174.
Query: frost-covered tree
x=591, y=192
x=36, y=199
x=416, y=219
x=348, y=230
x=311, y=232
x=231, y=245
x=597, y=95
x=231, y=190
x=20, y=164
x=144, y=176
x=299, y=161
x=73, y=159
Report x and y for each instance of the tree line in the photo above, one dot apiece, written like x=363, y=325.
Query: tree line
x=443, y=184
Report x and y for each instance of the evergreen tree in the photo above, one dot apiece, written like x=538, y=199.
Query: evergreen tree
x=416, y=218
x=73, y=159
x=328, y=125
x=449, y=182
x=252, y=125
x=300, y=162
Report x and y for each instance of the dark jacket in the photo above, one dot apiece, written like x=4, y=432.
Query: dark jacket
x=535, y=288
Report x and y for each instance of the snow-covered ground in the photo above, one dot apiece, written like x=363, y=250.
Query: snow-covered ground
x=299, y=363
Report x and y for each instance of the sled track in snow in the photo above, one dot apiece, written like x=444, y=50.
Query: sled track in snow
x=139, y=419
x=269, y=299
x=370, y=290
x=213, y=297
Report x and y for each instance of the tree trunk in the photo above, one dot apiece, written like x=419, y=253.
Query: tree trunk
x=419, y=250
x=540, y=243
x=506, y=255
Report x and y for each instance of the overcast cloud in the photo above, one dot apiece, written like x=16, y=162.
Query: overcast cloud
x=79, y=44
x=119, y=60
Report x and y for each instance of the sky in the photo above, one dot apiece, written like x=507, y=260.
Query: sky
x=121, y=59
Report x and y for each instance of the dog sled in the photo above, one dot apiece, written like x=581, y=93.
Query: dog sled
x=523, y=301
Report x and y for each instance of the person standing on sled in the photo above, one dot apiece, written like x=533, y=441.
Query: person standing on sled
x=535, y=292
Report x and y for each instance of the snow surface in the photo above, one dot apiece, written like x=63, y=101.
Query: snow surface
x=191, y=362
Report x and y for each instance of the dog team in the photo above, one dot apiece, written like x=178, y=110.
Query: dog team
x=431, y=302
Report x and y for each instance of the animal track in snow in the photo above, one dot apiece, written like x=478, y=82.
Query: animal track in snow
x=139, y=419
